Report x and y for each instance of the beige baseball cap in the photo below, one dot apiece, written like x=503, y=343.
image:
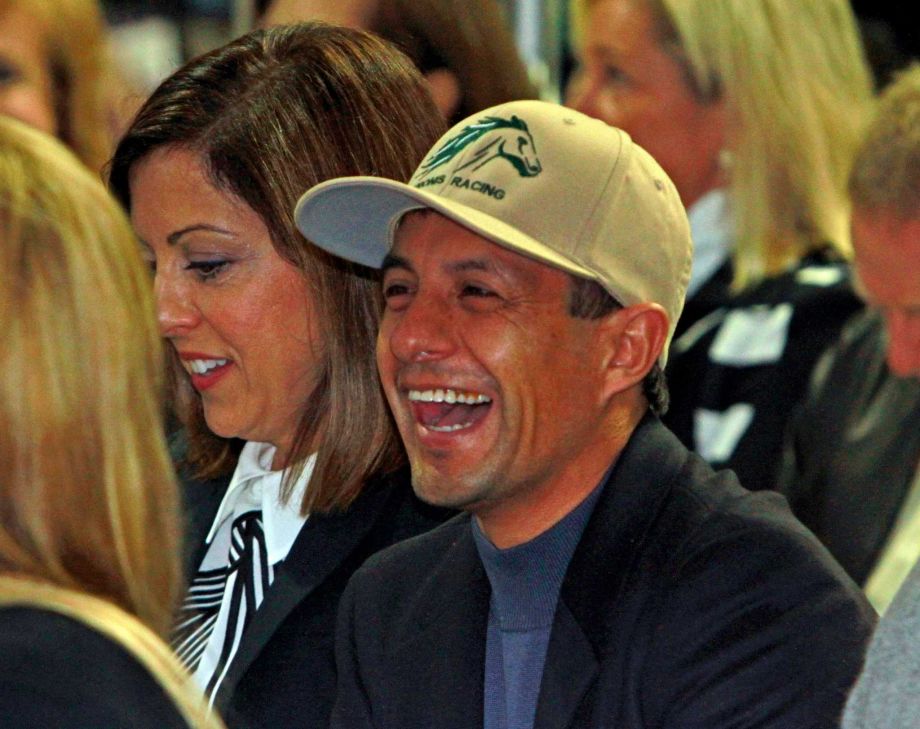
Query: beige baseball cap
x=536, y=178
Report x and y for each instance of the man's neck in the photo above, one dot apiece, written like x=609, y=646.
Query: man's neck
x=520, y=517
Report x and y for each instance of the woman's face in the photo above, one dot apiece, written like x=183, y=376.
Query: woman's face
x=238, y=315
x=627, y=80
x=26, y=88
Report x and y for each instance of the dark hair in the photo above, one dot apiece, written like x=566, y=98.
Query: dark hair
x=469, y=37
x=589, y=300
x=272, y=114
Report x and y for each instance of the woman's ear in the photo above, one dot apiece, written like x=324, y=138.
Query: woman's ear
x=634, y=337
x=445, y=90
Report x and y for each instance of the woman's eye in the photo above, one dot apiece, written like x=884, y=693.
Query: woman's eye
x=207, y=269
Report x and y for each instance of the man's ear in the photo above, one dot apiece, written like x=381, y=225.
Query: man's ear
x=633, y=338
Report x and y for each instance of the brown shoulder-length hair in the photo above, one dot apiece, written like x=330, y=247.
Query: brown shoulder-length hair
x=272, y=114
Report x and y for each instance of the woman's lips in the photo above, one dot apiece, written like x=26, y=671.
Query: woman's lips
x=205, y=371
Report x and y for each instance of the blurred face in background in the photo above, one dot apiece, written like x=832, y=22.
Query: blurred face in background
x=26, y=85
x=628, y=80
x=888, y=269
x=238, y=315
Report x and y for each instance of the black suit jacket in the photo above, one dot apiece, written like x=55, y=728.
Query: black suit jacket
x=58, y=673
x=853, y=448
x=689, y=603
x=283, y=674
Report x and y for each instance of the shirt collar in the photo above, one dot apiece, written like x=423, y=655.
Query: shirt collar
x=711, y=228
x=255, y=486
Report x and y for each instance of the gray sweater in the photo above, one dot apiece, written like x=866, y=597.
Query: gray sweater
x=887, y=694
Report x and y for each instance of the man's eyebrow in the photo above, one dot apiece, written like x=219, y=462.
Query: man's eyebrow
x=471, y=264
x=393, y=261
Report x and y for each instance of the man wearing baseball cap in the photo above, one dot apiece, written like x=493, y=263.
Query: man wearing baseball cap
x=601, y=575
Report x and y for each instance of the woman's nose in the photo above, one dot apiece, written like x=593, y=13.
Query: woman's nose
x=176, y=309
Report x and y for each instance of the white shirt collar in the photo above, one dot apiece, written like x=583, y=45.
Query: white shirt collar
x=255, y=486
x=713, y=238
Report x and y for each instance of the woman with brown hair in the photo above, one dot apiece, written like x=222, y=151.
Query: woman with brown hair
x=289, y=456
x=88, y=532
x=464, y=48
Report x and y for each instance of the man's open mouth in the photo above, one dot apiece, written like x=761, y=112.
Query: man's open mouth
x=446, y=410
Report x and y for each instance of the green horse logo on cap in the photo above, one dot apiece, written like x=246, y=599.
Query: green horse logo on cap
x=507, y=139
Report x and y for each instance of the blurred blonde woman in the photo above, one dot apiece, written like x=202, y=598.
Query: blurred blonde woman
x=754, y=108
x=88, y=543
x=55, y=73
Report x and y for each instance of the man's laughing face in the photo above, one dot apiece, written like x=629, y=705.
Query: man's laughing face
x=494, y=385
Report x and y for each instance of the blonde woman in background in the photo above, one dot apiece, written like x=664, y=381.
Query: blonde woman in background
x=55, y=73
x=88, y=539
x=754, y=108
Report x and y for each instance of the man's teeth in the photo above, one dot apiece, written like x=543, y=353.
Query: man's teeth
x=450, y=397
x=448, y=428
x=202, y=366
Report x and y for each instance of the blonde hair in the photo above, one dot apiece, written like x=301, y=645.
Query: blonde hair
x=797, y=90
x=88, y=503
x=886, y=172
x=88, y=498
x=76, y=44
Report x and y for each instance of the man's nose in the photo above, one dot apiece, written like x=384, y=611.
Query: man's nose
x=423, y=331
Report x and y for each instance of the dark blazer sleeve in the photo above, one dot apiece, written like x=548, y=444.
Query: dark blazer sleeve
x=772, y=641
x=57, y=673
x=352, y=708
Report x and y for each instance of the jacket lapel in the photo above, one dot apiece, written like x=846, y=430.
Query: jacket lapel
x=443, y=653
x=201, y=499
x=324, y=543
x=570, y=669
x=602, y=562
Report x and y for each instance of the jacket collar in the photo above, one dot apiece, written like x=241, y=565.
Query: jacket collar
x=445, y=632
x=324, y=543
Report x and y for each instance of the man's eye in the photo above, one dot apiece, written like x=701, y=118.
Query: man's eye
x=394, y=289
x=476, y=291
x=396, y=295
x=207, y=269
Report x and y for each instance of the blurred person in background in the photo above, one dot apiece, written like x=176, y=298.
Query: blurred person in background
x=89, y=570
x=754, y=110
x=463, y=47
x=851, y=459
x=885, y=186
x=290, y=463
x=56, y=75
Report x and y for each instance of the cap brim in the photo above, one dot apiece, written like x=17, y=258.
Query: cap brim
x=355, y=218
